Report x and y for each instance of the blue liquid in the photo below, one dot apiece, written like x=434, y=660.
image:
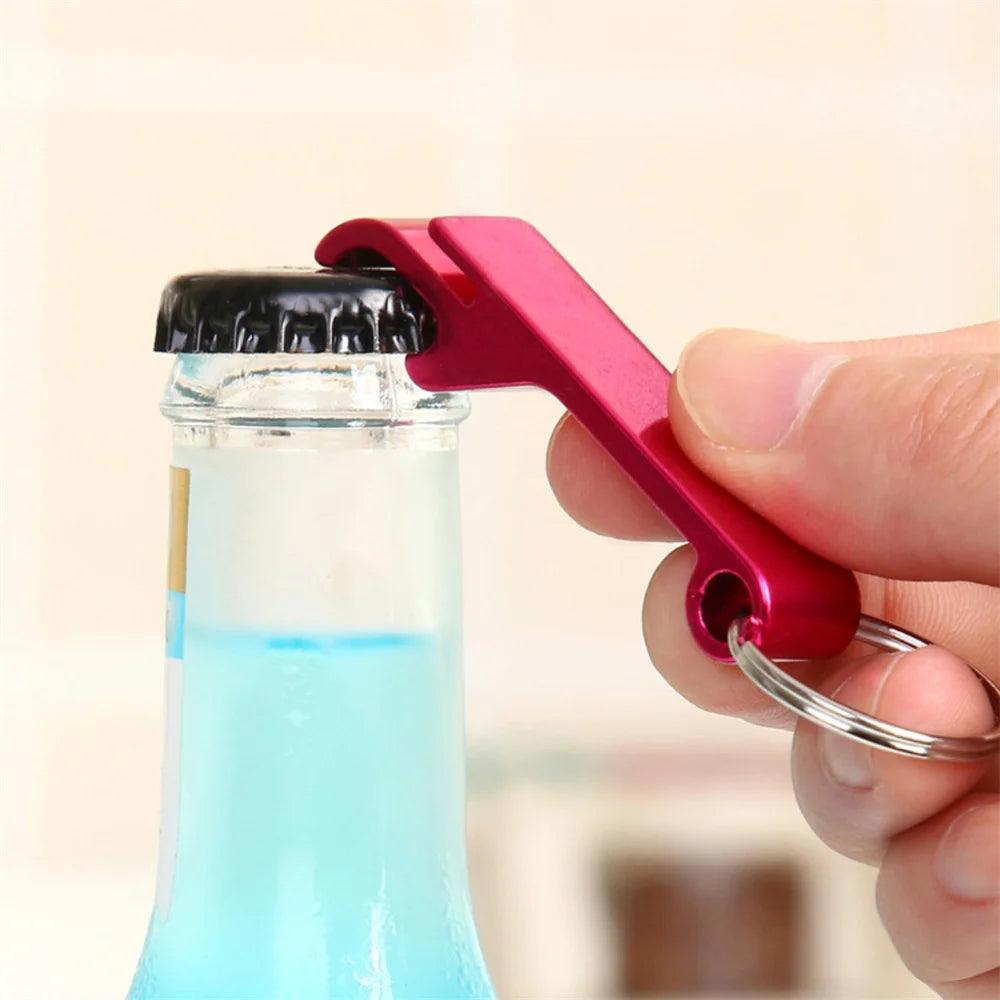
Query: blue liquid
x=320, y=849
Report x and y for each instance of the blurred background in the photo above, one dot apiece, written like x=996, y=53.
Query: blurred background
x=826, y=170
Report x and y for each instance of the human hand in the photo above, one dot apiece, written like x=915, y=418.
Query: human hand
x=883, y=456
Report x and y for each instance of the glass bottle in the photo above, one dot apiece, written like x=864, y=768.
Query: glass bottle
x=312, y=829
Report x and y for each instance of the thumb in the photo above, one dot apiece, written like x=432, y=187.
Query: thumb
x=889, y=464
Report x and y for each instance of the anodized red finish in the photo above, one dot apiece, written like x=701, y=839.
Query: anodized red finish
x=511, y=311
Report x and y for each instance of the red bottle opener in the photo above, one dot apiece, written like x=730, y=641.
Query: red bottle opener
x=511, y=311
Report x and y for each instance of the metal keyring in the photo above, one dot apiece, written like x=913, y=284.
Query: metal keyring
x=855, y=725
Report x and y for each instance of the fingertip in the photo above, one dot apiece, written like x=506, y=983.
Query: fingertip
x=929, y=690
x=945, y=920
x=933, y=690
x=592, y=488
x=857, y=798
x=559, y=459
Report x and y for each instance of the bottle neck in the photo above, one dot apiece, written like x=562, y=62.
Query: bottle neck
x=313, y=817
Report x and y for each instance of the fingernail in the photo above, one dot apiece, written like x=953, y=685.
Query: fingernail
x=848, y=763
x=747, y=390
x=968, y=857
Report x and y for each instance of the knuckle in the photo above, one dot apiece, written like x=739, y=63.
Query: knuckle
x=956, y=417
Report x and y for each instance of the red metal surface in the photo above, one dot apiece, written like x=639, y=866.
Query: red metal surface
x=511, y=311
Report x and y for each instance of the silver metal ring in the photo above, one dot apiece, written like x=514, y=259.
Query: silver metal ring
x=810, y=704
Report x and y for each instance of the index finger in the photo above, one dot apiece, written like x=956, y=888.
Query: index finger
x=593, y=489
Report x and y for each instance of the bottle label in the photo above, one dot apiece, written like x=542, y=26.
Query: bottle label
x=180, y=488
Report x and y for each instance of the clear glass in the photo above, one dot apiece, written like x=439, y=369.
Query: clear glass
x=312, y=830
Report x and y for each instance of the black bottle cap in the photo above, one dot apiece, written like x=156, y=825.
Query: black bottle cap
x=287, y=310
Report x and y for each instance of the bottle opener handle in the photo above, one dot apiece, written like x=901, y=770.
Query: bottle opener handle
x=511, y=311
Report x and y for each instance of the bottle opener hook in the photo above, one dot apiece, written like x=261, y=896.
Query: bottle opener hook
x=511, y=311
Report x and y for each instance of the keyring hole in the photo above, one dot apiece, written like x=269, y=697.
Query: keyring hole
x=725, y=599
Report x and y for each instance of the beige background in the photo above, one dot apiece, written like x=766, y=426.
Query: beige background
x=820, y=169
